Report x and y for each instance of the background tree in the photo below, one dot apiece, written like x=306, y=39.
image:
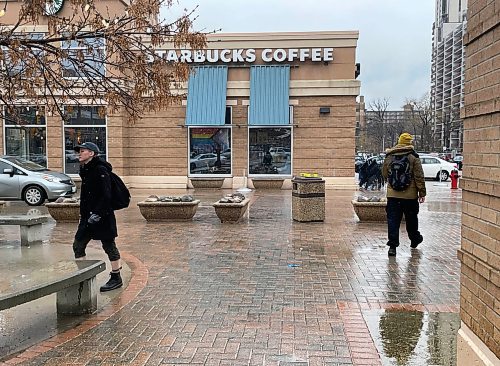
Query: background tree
x=376, y=124
x=91, y=55
x=420, y=119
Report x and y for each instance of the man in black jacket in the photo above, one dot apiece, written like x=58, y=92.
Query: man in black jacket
x=97, y=218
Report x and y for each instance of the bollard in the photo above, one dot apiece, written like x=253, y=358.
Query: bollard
x=454, y=179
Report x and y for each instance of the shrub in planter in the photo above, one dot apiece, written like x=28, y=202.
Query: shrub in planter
x=168, y=208
x=64, y=209
x=370, y=208
x=231, y=207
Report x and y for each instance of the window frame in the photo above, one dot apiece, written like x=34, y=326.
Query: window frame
x=64, y=126
x=5, y=126
x=3, y=49
x=284, y=176
x=194, y=175
x=76, y=48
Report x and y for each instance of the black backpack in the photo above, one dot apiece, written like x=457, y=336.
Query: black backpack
x=399, y=177
x=120, y=196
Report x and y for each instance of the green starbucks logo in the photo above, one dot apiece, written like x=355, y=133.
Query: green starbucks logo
x=53, y=6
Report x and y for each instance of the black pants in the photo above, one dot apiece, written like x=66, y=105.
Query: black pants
x=396, y=208
x=109, y=246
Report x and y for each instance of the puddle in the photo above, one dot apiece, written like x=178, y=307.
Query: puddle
x=412, y=338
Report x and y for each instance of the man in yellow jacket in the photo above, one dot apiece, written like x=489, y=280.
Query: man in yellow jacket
x=405, y=191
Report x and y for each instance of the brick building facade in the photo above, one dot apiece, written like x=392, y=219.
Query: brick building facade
x=479, y=336
x=166, y=149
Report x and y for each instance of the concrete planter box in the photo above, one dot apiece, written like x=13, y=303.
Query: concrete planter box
x=168, y=211
x=207, y=182
x=370, y=211
x=231, y=212
x=64, y=211
x=267, y=183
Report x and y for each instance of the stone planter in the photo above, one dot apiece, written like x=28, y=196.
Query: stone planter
x=231, y=212
x=207, y=182
x=168, y=211
x=370, y=211
x=267, y=183
x=64, y=211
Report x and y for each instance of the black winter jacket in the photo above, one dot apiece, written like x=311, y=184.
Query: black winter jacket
x=95, y=198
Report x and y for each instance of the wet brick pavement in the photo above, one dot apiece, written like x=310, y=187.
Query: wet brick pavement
x=268, y=291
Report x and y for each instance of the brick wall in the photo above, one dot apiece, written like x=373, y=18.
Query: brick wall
x=480, y=247
x=156, y=145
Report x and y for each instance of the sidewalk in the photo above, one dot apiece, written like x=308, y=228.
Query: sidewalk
x=270, y=291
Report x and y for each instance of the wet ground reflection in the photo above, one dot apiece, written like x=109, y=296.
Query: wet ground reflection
x=412, y=338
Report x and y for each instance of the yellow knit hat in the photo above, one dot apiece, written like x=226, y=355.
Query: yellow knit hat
x=405, y=139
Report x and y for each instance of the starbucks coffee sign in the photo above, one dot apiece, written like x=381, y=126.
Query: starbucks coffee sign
x=248, y=55
x=53, y=7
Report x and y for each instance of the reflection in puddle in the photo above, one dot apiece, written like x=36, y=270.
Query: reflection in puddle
x=412, y=338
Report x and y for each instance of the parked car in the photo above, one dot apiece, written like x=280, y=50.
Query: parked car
x=436, y=168
x=25, y=180
x=204, y=160
x=459, y=160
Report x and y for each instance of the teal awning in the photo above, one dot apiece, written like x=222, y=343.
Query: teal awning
x=206, y=101
x=269, y=94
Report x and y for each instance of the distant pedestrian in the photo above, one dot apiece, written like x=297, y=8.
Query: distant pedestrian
x=97, y=218
x=370, y=175
x=405, y=191
x=268, y=159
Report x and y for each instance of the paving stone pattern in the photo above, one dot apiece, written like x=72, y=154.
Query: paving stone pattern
x=268, y=290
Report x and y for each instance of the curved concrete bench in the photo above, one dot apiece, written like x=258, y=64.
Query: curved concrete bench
x=31, y=227
x=73, y=281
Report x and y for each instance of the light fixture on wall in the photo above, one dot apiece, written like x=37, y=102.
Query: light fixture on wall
x=324, y=110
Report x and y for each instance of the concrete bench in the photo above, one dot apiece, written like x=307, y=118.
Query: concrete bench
x=31, y=227
x=73, y=281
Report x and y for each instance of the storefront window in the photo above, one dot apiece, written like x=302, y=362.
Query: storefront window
x=91, y=51
x=83, y=124
x=209, y=150
x=20, y=66
x=25, y=134
x=270, y=151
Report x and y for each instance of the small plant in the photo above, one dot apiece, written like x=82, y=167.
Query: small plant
x=154, y=198
x=232, y=198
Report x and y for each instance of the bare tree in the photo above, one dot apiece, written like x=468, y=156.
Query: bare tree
x=420, y=120
x=376, y=125
x=93, y=56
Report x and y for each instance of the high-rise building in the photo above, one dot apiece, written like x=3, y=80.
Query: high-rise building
x=447, y=73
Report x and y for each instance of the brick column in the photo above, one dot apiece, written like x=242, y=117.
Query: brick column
x=479, y=335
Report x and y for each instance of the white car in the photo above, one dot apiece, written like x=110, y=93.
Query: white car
x=205, y=160
x=433, y=166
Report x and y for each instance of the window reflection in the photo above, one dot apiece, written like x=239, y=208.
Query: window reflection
x=27, y=143
x=209, y=150
x=87, y=58
x=25, y=133
x=82, y=124
x=270, y=151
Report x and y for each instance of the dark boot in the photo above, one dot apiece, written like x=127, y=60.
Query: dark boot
x=115, y=281
x=416, y=242
x=392, y=251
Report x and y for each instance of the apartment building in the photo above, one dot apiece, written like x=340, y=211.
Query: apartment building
x=447, y=74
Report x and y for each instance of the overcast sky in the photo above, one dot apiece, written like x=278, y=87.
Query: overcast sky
x=394, y=46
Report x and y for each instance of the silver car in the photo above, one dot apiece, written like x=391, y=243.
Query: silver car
x=25, y=180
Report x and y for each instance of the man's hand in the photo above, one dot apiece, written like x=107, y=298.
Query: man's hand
x=421, y=199
x=94, y=219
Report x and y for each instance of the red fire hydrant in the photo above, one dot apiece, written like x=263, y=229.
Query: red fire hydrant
x=454, y=179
